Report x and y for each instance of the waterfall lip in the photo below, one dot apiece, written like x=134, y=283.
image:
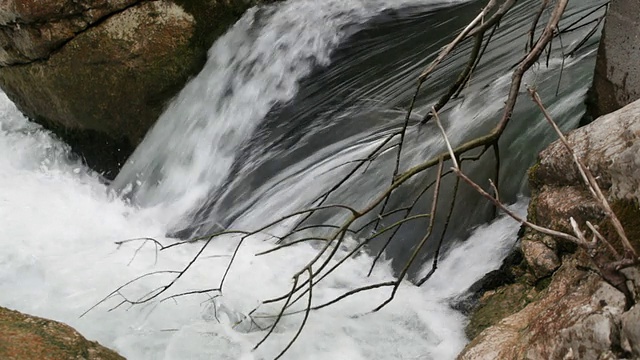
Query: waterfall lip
x=258, y=63
x=202, y=160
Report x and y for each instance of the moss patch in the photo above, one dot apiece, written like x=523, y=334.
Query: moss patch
x=628, y=212
x=497, y=305
x=532, y=175
x=506, y=300
x=24, y=337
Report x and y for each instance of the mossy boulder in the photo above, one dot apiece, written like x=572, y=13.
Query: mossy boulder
x=561, y=307
x=99, y=73
x=498, y=304
x=25, y=337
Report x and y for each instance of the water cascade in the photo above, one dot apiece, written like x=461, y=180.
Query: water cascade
x=291, y=93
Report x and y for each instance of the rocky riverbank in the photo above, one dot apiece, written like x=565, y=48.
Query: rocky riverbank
x=559, y=306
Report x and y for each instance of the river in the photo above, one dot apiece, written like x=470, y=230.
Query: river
x=288, y=96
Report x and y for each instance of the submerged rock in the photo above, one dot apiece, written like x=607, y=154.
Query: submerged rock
x=99, y=73
x=561, y=308
x=25, y=337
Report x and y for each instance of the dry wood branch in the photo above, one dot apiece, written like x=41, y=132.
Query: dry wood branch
x=609, y=270
x=292, y=243
x=467, y=80
x=193, y=292
x=371, y=157
x=588, y=36
x=456, y=169
x=304, y=320
x=474, y=56
x=462, y=78
x=407, y=212
x=118, y=291
x=588, y=179
x=599, y=236
x=416, y=251
x=453, y=44
x=436, y=255
x=534, y=24
x=576, y=25
x=476, y=28
x=273, y=327
x=490, y=138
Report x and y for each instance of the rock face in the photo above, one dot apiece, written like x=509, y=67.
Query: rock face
x=561, y=308
x=609, y=148
x=24, y=337
x=100, y=72
x=616, y=81
x=576, y=317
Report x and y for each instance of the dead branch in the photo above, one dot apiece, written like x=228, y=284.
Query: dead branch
x=610, y=271
x=416, y=251
x=588, y=179
x=366, y=223
x=474, y=57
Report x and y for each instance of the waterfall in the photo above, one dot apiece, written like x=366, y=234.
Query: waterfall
x=256, y=65
x=289, y=94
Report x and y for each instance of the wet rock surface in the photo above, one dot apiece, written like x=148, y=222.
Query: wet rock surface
x=576, y=315
x=99, y=73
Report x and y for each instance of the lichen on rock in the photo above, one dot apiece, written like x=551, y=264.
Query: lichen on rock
x=25, y=337
x=577, y=313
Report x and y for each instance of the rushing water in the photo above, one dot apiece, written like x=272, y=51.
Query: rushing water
x=289, y=94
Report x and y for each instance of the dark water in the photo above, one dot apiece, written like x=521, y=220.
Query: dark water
x=361, y=94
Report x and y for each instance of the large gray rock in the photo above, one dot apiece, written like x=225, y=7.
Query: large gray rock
x=100, y=72
x=578, y=315
x=616, y=81
x=610, y=147
x=32, y=30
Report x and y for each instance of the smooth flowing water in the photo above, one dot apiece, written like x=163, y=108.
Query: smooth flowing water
x=289, y=94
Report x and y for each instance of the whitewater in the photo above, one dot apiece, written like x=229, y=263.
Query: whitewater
x=60, y=222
